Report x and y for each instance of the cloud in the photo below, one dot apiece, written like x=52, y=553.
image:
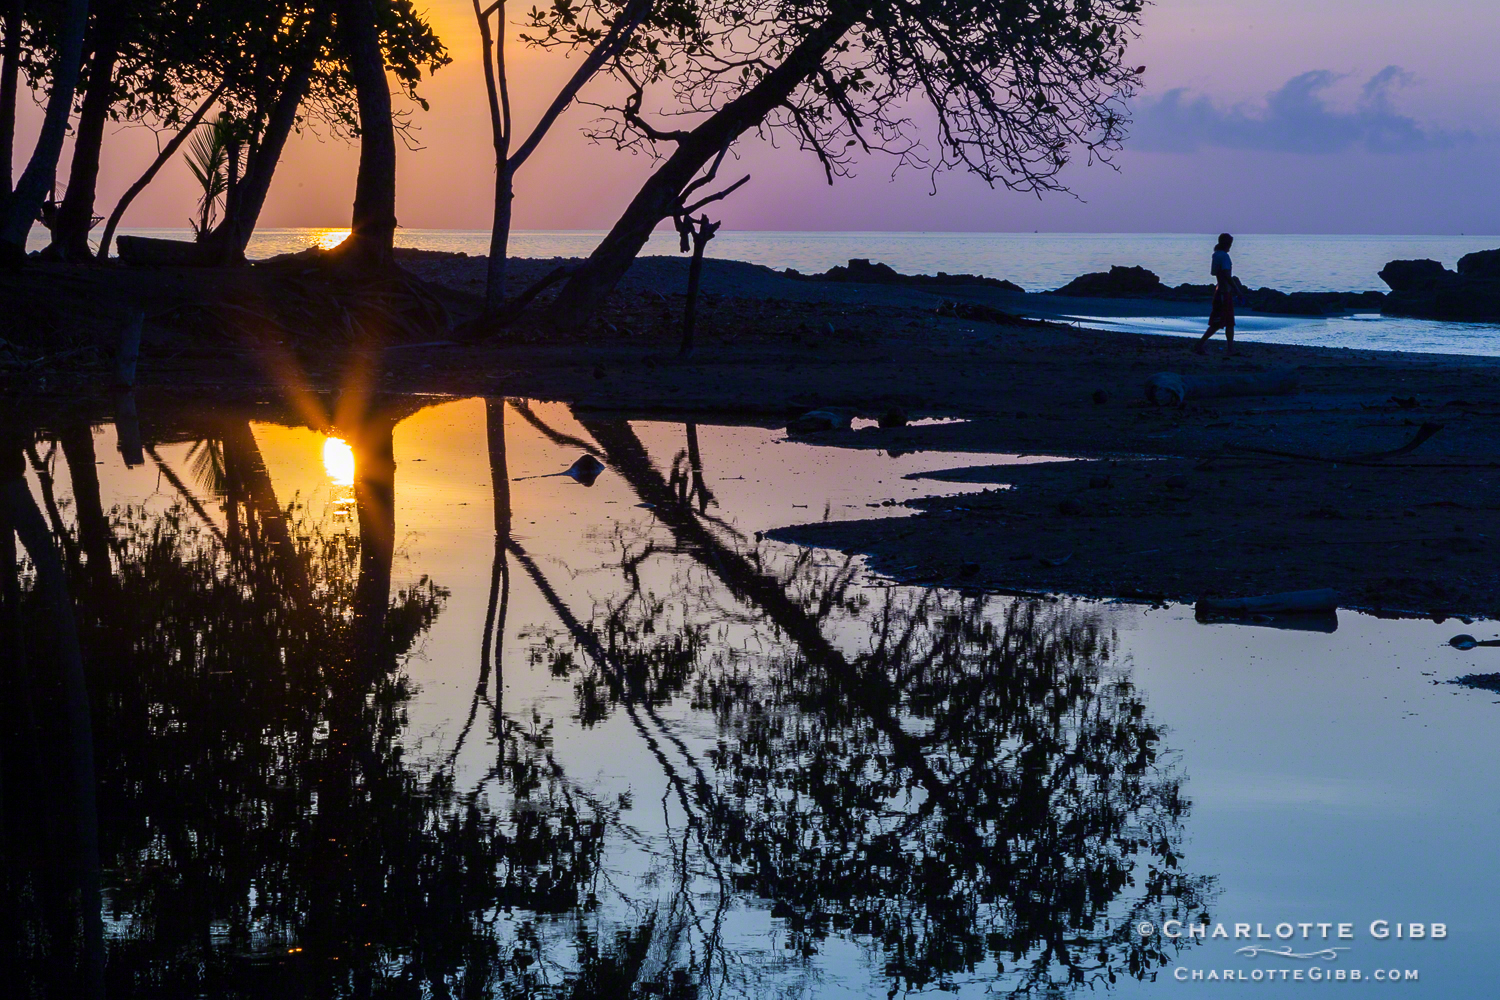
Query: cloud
x=1294, y=119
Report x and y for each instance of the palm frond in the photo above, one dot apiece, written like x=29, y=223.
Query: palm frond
x=207, y=464
x=208, y=158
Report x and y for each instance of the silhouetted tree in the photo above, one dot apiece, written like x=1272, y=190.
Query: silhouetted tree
x=24, y=202
x=610, y=28
x=376, y=35
x=267, y=89
x=10, y=76
x=143, y=63
x=57, y=833
x=1012, y=85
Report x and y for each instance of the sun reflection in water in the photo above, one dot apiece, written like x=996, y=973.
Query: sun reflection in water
x=330, y=238
x=338, y=461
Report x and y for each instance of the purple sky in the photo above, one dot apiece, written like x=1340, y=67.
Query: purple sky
x=1356, y=116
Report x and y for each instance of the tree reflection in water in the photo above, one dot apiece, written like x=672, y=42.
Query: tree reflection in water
x=964, y=787
x=261, y=830
x=974, y=788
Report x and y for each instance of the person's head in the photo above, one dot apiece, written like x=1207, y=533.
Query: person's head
x=1225, y=241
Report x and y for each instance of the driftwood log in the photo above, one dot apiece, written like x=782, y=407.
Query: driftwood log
x=1172, y=389
x=147, y=251
x=1426, y=431
x=1291, y=602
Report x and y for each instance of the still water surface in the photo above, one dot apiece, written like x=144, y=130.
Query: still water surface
x=393, y=707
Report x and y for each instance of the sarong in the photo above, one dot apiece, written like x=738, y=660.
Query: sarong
x=1222, y=313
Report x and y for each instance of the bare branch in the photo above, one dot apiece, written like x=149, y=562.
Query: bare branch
x=688, y=209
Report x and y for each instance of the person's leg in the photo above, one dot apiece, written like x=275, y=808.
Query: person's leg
x=1229, y=350
x=1199, y=348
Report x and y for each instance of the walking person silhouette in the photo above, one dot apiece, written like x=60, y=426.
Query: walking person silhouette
x=1221, y=314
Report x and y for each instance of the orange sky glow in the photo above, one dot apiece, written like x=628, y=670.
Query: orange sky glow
x=1233, y=53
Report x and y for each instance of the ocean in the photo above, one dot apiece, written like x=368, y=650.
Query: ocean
x=1040, y=261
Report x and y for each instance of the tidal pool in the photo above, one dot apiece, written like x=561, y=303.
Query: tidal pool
x=397, y=707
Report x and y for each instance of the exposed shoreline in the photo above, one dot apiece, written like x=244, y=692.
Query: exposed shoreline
x=770, y=347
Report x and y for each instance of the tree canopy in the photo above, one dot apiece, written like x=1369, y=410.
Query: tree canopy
x=1008, y=90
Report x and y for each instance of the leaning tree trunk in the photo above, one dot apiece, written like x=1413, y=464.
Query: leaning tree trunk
x=9, y=76
x=75, y=217
x=372, y=229
x=227, y=243
x=162, y=158
x=660, y=195
x=78, y=844
x=232, y=235
x=41, y=171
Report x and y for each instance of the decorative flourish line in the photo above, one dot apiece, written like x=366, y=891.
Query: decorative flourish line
x=1326, y=954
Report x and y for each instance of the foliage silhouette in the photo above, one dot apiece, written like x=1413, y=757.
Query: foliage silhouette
x=1008, y=90
x=261, y=828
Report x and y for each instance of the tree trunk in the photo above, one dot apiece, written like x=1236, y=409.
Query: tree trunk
x=75, y=217
x=76, y=792
x=659, y=196
x=230, y=237
x=494, y=620
x=498, y=94
x=375, y=502
x=94, y=535
x=41, y=171
x=372, y=228
x=494, y=280
x=701, y=234
x=9, y=75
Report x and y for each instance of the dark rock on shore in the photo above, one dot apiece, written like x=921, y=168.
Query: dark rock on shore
x=1271, y=300
x=1139, y=283
x=1415, y=275
x=1117, y=283
x=1427, y=290
x=862, y=271
x=1482, y=265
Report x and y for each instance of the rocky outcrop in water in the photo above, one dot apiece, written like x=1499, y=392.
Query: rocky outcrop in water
x=1428, y=290
x=1139, y=283
x=861, y=270
x=1116, y=283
